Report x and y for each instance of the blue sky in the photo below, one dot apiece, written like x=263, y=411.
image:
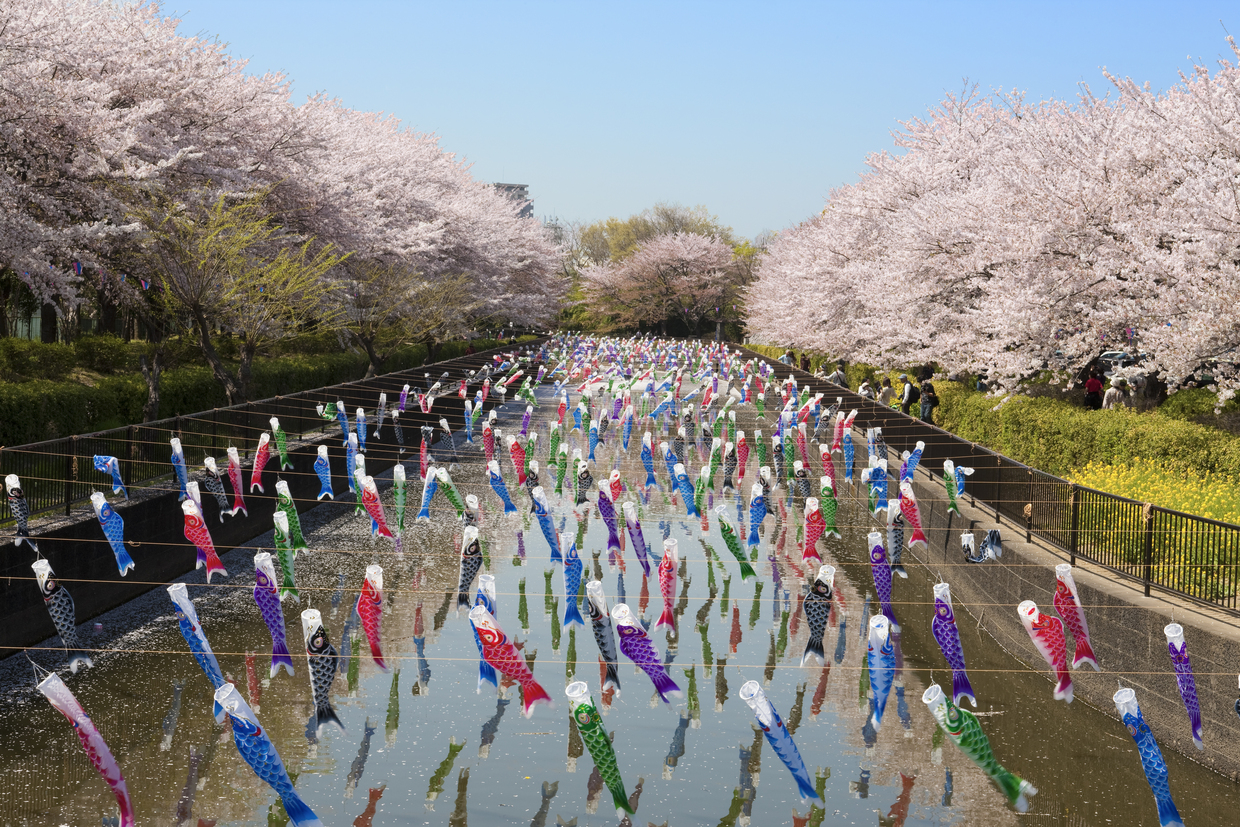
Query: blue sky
x=755, y=110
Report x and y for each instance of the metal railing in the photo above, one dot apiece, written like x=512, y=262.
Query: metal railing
x=58, y=475
x=1181, y=553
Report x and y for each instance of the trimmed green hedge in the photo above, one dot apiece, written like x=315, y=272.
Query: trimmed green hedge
x=24, y=359
x=1194, y=402
x=1058, y=437
x=105, y=354
x=38, y=409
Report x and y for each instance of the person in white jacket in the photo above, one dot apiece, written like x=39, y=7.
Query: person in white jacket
x=1117, y=396
x=907, y=397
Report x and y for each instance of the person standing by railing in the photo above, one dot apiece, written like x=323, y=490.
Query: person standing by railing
x=886, y=394
x=838, y=376
x=909, y=395
x=929, y=401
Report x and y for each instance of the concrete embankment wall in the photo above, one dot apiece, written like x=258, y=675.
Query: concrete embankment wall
x=1126, y=627
x=154, y=522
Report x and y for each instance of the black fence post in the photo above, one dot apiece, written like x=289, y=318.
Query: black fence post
x=1147, y=552
x=130, y=434
x=70, y=469
x=1074, y=521
x=998, y=489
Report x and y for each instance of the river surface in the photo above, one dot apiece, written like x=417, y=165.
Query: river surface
x=424, y=746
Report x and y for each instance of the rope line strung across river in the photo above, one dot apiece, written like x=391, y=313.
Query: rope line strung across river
x=545, y=559
x=875, y=525
x=529, y=594
x=474, y=660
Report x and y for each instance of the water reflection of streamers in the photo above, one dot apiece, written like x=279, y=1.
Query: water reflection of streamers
x=694, y=706
x=548, y=793
x=576, y=747
x=459, y=811
x=368, y=815
x=359, y=763
x=721, y=684
x=392, y=721
x=677, y=749
x=441, y=772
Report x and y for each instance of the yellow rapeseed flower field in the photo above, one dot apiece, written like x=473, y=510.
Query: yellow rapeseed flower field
x=1213, y=495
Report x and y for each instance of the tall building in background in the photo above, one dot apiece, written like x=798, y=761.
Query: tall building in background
x=520, y=194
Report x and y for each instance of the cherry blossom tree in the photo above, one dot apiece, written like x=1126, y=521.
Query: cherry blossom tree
x=435, y=252
x=1015, y=237
x=111, y=141
x=132, y=103
x=674, y=275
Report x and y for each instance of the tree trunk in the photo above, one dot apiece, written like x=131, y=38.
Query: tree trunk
x=376, y=359
x=73, y=326
x=245, y=374
x=221, y=373
x=6, y=292
x=431, y=347
x=48, y=325
x=107, y=315
x=150, y=411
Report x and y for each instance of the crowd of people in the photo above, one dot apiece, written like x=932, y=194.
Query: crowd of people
x=1119, y=395
x=911, y=399
x=920, y=400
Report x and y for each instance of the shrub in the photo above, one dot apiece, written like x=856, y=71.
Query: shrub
x=1190, y=403
x=37, y=410
x=22, y=359
x=188, y=390
x=308, y=343
x=1057, y=437
x=104, y=354
x=130, y=394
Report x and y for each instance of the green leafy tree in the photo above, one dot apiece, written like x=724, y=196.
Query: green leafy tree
x=228, y=264
x=615, y=239
x=387, y=304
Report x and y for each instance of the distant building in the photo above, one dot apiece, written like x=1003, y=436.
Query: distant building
x=520, y=194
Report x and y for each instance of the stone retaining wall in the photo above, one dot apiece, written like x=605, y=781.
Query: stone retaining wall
x=1125, y=626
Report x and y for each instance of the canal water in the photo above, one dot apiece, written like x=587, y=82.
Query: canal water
x=424, y=746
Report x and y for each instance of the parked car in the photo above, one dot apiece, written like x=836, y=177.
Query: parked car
x=1207, y=373
x=1113, y=359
